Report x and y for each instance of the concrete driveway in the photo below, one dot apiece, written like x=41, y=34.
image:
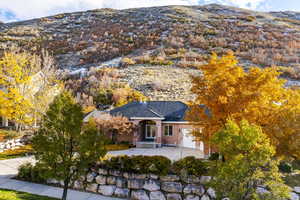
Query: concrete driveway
x=9, y=169
x=173, y=153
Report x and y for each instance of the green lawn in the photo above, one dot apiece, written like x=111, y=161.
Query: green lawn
x=14, y=195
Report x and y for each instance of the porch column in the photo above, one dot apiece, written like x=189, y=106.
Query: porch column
x=159, y=132
x=136, y=132
x=207, y=149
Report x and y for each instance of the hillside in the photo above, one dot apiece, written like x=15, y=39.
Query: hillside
x=161, y=44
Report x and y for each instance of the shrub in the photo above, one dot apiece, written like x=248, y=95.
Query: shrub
x=296, y=164
x=285, y=167
x=9, y=134
x=104, y=97
x=127, y=61
x=159, y=165
x=32, y=173
x=190, y=166
x=139, y=164
x=214, y=156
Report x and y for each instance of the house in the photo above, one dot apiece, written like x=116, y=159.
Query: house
x=160, y=123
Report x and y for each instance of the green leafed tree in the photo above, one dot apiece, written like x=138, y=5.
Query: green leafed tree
x=249, y=170
x=63, y=145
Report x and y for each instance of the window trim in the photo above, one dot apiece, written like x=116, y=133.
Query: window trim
x=169, y=129
x=151, y=128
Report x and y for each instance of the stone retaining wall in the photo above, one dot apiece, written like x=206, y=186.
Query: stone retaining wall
x=12, y=144
x=144, y=186
x=149, y=186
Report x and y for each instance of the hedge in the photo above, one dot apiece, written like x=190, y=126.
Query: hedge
x=159, y=165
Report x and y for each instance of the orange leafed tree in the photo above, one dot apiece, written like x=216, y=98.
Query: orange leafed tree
x=115, y=126
x=258, y=95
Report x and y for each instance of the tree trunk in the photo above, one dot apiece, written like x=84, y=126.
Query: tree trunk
x=66, y=185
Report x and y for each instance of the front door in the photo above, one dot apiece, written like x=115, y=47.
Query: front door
x=150, y=131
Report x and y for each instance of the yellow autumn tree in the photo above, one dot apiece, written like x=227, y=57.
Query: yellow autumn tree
x=16, y=71
x=27, y=85
x=228, y=91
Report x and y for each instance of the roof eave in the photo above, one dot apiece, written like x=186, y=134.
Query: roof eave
x=149, y=118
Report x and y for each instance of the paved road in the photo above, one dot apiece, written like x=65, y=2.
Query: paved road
x=9, y=169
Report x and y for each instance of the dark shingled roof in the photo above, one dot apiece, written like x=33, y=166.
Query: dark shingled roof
x=169, y=110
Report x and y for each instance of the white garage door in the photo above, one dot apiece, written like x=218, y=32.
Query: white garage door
x=188, y=140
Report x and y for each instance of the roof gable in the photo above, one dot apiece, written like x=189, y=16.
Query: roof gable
x=167, y=110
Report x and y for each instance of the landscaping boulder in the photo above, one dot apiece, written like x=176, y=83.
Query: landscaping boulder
x=135, y=183
x=153, y=176
x=170, y=178
x=174, y=196
x=139, y=195
x=115, y=173
x=191, y=197
x=111, y=180
x=102, y=171
x=171, y=187
x=193, y=189
x=190, y=179
x=157, y=195
x=151, y=185
x=78, y=185
x=92, y=187
x=121, y=193
x=294, y=196
x=205, y=197
x=100, y=179
x=107, y=190
x=211, y=192
x=128, y=175
x=90, y=177
x=140, y=176
x=205, y=179
x=121, y=182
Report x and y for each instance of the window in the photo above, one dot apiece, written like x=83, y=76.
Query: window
x=168, y=130
x=150, y=131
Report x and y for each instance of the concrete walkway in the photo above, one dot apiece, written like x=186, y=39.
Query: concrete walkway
x=9, y=169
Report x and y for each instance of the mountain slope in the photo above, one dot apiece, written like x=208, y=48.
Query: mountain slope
x=179, y=36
